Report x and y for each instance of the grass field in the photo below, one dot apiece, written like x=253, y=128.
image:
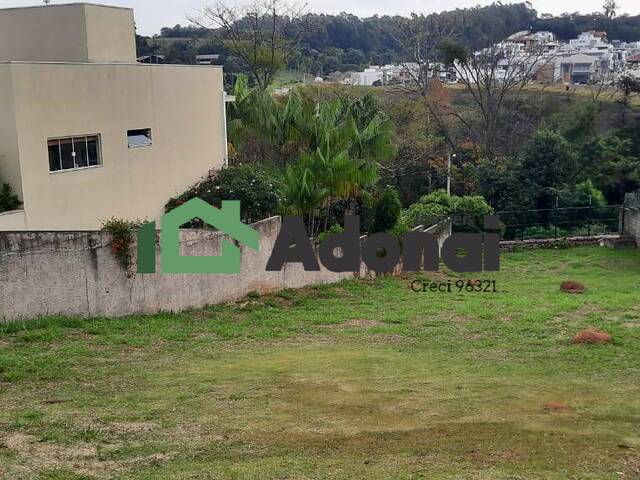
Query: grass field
x=356, y=380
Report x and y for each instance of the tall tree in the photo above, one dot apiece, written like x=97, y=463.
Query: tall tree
x=626, y=86
x=492, y=76
x=419, y=38
x=609, y=8
x=264, y=34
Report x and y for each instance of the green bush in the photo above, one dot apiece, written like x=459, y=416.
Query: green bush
x=388, y=208
x=257, y=188
x=584, y=194
x=335, y=228
x=434, y=207
x=122, y=236
x=8, y=200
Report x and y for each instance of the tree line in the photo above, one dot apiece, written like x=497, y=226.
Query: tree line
x=330, y=43
x=323, y=151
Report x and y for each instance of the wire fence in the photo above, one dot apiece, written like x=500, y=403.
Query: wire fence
x=561, y=222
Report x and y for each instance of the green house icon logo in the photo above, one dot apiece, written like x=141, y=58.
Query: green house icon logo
x=225, y=219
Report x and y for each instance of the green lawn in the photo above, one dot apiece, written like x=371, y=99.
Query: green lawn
x=287, y=78
x=357, y=380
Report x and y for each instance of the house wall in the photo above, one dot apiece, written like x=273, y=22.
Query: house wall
x=110, y=34
x=76, y=273
x=182, y=105
x=67, y=33
x=9, y=161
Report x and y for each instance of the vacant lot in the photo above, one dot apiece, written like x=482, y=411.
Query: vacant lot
x=357, y=380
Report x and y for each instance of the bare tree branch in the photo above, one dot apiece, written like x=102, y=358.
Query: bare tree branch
x=261, y=33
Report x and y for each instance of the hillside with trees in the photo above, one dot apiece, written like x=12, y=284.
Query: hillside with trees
x=426, y=149
x=343, y=42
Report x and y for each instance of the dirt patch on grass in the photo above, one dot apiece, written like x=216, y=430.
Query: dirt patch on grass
x=592, y=336
x=395, y=339
x=438, y=319
x=568, y=321
x=355, y=323
x=81, y=458
x=43, y=455
x=132, y=427
x=482, y=444
x=630, y=465
x=571, y=286
x=555, y=407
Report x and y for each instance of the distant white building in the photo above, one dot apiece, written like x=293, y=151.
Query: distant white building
x=536, y=41
x=589, y=40
x=589, y=58
x=585, y=59
x=576, y=68
x=385, y=75
x=367, y=78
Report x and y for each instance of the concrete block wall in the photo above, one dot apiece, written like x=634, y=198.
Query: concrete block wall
x=76, y=273
x=631, y=221
x=442, y=230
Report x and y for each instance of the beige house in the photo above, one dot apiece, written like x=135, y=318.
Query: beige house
x=86, y=133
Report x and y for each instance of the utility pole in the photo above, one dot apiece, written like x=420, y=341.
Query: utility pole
x=226, y=99
x=449, y=157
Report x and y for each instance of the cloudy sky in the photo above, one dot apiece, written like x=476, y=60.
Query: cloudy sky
x=151, y=15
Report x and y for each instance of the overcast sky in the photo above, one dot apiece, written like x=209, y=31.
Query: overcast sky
x=151, y=15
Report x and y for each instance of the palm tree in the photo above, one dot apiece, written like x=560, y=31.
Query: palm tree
x=330, y=151
x=303, y=192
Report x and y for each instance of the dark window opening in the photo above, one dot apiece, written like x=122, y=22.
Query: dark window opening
x=139, y=138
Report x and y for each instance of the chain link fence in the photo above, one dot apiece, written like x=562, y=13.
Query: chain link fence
x=561, y=222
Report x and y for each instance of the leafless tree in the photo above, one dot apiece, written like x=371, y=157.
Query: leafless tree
x=609, y=8
x=419, y=38
x=265, y=34
x=490, y=77
x=627, y=85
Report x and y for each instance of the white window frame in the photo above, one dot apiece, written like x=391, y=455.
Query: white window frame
x=73, y=138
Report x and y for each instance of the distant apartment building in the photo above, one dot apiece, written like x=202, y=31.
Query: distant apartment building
x=588, y=40
x=86, y=132
x=588, y=58
x=577, y=68
x=370, y=76
x=375, y=75
x=536, y=42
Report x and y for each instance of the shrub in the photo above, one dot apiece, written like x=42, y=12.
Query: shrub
x=388, y=208
x=432, y=208
x=257, y=188
x=335, y=228
x=8, y=200
x=122, y=235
